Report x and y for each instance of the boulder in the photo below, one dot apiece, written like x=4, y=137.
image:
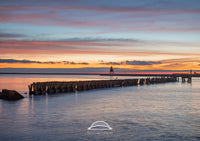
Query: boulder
x=10, y=95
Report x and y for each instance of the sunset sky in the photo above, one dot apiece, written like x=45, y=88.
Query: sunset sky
x=130, y=34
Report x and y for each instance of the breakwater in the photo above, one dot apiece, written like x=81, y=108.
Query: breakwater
x=41, y=88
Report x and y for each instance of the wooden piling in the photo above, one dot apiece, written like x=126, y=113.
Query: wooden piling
x=42, y=88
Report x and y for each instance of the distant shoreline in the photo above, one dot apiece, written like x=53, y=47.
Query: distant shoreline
x=54, y=73
x=115, y=74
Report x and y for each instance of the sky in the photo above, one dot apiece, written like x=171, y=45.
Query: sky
x=126, y=34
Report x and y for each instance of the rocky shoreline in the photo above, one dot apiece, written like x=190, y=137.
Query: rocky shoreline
x=10, y=95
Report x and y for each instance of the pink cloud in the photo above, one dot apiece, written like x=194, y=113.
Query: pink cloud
x=79, y=47
x=97, y=9
x=72, y=43
x=135, y=19
x=53, y=47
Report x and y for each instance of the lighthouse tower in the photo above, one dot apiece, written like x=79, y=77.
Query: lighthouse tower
x=111, y=70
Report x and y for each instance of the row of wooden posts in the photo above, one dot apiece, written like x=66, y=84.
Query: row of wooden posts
x=188, y=79
x=41, y=88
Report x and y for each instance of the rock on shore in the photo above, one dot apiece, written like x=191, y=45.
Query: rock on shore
x=10, y=95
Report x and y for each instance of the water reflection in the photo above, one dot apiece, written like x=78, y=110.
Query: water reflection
x=32, y=104
x=161, y=112
x=21, y=82
x=46, y=103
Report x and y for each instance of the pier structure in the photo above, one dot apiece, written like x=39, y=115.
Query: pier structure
x=184, y=77
x=42, y=88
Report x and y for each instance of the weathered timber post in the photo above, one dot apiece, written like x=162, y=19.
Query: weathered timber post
x=189, y=79
x=138, y=81
x=183, y=79
x=30, y=89
x=141, y=81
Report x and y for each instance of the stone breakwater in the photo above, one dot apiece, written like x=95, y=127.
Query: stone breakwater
x=42, y=88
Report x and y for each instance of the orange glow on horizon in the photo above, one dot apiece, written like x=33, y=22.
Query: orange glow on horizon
x=98, y=65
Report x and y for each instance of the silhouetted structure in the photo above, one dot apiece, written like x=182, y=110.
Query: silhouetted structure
x=10, y=95
x=111, y=70
x=42, y=88
x=190, y=71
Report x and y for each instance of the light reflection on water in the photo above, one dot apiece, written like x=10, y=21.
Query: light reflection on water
x=21, y=82
x=151, y=112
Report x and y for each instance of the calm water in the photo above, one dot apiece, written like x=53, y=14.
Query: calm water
x=168, y=111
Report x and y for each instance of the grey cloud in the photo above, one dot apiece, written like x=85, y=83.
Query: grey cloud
x=39, y=62
x=84, y=63
x=17, y=61
x=134, y=62
x=88, y=39
x=73, y=63
x=10, y=35
x=111, y=63
x=142, y=62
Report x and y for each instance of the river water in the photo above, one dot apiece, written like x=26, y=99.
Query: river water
x=169, y=111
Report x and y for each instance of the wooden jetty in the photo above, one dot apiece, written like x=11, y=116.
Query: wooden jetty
x=42, y=88
x=184, y=76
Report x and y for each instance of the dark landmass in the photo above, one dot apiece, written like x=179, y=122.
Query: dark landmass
x=80, y=70
x=10, y=95
x=115, y=74
x=53, y=73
